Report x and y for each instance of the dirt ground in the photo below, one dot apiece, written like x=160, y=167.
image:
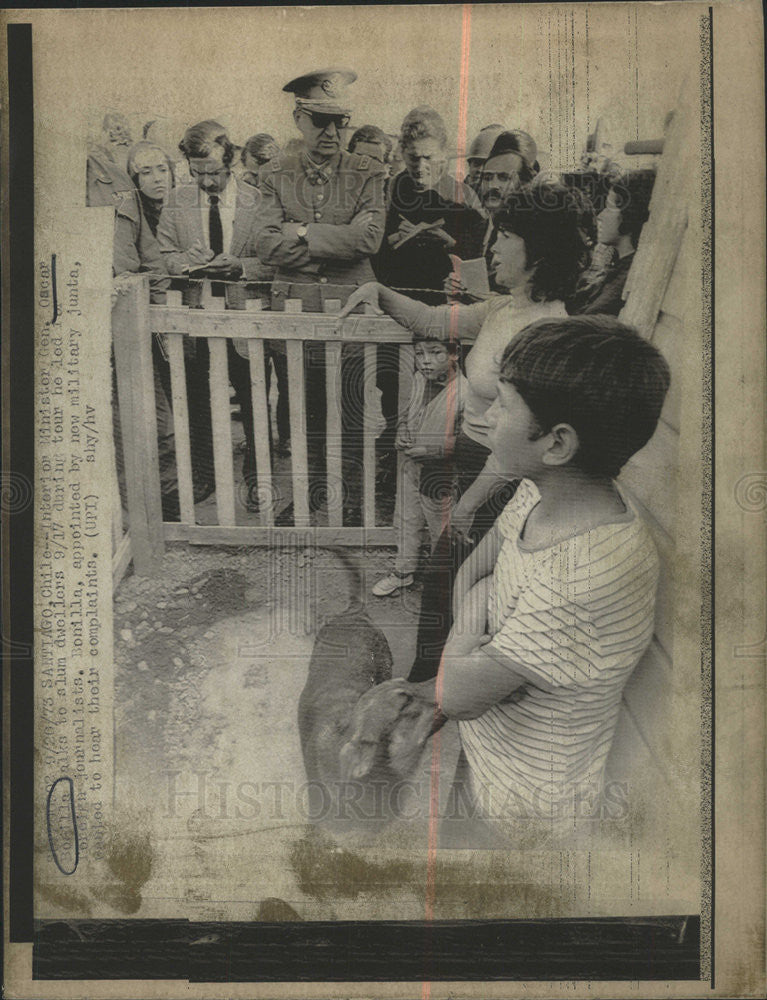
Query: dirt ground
x=160, y=623
x=211, y=656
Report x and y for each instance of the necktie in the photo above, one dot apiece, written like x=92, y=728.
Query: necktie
x=215, y=229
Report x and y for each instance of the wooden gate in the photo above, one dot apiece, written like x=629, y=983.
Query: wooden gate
x=134, y=322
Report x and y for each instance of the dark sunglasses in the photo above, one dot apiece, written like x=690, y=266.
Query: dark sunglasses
x=321, y=120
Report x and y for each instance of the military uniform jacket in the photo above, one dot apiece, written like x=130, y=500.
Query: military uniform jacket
x=335, y=250
x=181, y=223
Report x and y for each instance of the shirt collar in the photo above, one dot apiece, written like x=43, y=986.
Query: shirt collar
x=319, y=173
x=227, y=197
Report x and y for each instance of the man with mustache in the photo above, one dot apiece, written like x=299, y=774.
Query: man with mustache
x=510, y=164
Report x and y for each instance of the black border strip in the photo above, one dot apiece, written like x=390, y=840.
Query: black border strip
x=643, y=949
x=19, y=514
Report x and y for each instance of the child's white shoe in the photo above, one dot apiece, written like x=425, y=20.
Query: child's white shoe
x=391, y=584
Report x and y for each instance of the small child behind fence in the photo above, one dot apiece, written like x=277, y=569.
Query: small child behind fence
x=425, y=438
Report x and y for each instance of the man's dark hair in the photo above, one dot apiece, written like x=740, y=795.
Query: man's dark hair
x=422, y=122
x=259, y=146
x=547, y=216
x=597, y=375
x=371, y=133
x=199, y=140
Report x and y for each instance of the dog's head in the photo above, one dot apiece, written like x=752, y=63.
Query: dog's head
x=391, y=722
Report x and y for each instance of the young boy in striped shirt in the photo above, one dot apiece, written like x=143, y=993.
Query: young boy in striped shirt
x=555, y=606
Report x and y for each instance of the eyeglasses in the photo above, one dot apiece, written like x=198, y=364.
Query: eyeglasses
x=321, y=120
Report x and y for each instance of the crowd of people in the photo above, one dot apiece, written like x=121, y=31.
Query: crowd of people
x=333, y=209
x=528, y=394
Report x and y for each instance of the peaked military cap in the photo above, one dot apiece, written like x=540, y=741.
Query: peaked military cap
x=323, y=90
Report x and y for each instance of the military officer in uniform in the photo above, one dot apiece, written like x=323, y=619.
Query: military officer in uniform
x=320, y=219
x=322, y=212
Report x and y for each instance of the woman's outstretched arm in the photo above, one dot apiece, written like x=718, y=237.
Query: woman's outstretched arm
x=449, y=322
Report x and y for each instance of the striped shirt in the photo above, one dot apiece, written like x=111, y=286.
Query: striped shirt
x=576, y=617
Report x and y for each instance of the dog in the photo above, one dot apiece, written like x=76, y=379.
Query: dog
x=356, y=724
x=389, y=728
x=350, y=656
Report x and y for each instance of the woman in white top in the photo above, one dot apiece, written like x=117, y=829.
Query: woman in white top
x=537, y=255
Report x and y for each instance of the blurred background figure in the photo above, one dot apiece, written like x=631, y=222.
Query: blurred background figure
x=396, y=162
x=257, y=151
x=369, y=140
x=479, y=151
x=116, y=137
x=106, y=167
x=626, y=208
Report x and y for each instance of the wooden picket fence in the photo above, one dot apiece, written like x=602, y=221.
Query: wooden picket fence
x=134, y=321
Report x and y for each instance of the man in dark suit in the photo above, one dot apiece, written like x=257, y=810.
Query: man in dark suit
x=210, y=225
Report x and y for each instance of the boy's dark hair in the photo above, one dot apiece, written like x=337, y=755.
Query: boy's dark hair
x=453, y=347
x=597, y=375
x=547, y=216
x=199, y=140
x=633, y=190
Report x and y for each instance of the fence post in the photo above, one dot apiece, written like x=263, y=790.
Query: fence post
x=132, y=339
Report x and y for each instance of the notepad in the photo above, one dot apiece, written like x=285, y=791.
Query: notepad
x=472, y=274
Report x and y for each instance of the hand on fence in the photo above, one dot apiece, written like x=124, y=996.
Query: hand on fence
x=120, y=286
x=366, y=294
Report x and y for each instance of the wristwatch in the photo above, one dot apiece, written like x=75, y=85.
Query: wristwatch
x=301, y=233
